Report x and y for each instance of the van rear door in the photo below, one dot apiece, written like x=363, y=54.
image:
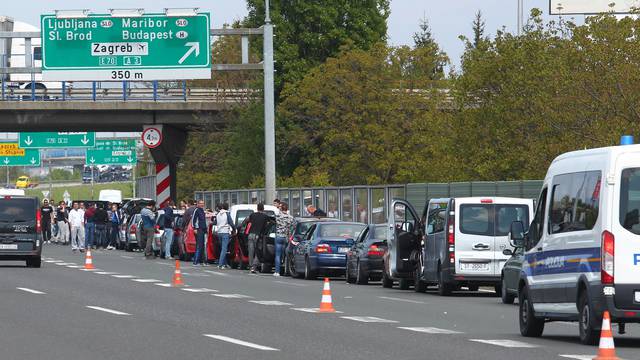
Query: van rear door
x=18, y=224
x=474, y=242
x=626, y=230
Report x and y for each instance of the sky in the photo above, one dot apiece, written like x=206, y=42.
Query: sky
x=448, y=19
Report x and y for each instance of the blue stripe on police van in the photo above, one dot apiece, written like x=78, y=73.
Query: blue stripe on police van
x=563, y=261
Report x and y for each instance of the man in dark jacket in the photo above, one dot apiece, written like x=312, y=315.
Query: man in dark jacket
x=257, y=222
x=100, y=219
x=199, y=222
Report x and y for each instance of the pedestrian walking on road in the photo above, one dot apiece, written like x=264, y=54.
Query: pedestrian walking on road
x=46, y=218
x=114, y=219
x=89, y=226
x=62, y=219
x=199, y=223
x=168, y=228
x=284, y=229
x=225, y=227
x=100, y=219
x=148, y=229
x=257, y=222
x=76, y=220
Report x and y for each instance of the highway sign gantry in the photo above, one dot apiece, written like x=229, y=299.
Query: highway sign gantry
x=30, y=158
x=112, y=152
x=39, y=140
x=141, y=48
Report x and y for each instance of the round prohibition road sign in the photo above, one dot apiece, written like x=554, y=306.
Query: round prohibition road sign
x=152, y=137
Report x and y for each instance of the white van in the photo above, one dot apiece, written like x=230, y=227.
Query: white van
x=458, y=242
x=582, y=249
x=112, y=196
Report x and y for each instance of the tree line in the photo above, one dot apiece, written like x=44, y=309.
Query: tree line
x=351, y=109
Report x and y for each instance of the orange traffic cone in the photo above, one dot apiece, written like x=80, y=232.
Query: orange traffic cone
x=177, y=276
x=88, y=260
x=326, y=304
x=606, y=350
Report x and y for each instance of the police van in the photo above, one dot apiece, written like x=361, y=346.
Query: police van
x=582, y=249
x=458, y=242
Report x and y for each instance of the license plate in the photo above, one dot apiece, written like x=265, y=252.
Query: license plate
x=343, y=249
x=638, y=296
x=8, y=246
x=474, y=266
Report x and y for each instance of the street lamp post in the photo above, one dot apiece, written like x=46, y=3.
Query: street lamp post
x=269, y=111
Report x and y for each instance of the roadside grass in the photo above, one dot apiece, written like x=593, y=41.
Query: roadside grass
x=82, y=192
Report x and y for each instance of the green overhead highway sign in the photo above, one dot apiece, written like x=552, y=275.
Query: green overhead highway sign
x=31, y=157
x=38, y=140
x=140, y=48
x=112, y=152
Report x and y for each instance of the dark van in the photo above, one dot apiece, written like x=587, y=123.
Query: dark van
x=20, y=230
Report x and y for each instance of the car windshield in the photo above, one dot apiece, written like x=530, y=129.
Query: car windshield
x=17, y=210
x=347, y=231
x=491, y=220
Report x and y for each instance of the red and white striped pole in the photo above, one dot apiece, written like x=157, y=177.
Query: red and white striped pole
x=163, y=184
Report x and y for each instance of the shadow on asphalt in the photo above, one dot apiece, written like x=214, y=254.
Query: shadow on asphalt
x=620, y=342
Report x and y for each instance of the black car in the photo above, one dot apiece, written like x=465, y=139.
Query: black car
x=364, y=259
x=20, y=232
x=511, y=272
x=302, y=226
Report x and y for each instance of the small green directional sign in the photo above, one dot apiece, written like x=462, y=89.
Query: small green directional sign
x=112, y=152
x=40, y=140
x=31, y=158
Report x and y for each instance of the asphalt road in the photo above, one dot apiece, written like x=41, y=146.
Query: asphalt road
x=125, y=310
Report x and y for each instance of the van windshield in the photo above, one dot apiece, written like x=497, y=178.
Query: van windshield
x=491, y=220
x=17, y=210
x=630, y=200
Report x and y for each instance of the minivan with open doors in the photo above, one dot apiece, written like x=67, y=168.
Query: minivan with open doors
x=582, y=249
x=457, y=242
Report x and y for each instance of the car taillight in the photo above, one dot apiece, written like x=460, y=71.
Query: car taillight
x=323, y=249
x=451, y=237
x=157, y=227
x=374, y=250
x=486, y=201
x=133, y=229
x=38, y=223
x=608, y=253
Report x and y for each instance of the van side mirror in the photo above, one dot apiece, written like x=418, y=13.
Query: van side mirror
x=516, y=235
x=507, y=252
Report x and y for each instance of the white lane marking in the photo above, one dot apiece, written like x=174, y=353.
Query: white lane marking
x=196, y=274
x=51, y=261
x=64, y=263
x=289, y=283
x=486, y=291
x=105, y=273
x=164, y=263
x=74, y=266
x=110, y=311
x=240, y=342
x=313, y=310
x=145, y=280
x=215, y=273
x=368, y=319
x=505, y=343
x=31, y=291
x=126, y=257
x=403, y=300
x=270, y=302
x=579, y=357
x=56, y=261
x=123, y=276
x=89, y=270
x=163, y=284
x=430, y=330
x=232, y=296
x=199, y=290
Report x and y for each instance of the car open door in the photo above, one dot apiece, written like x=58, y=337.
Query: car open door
x=403, y=238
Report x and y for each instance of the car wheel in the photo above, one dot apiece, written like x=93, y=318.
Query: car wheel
x=128, y=247
x=287, y=269
x=498, y=289
x=506, y=297
x=404, y=284
x=588, y=334
x=308, y=273
x=361, y=277
x=418, y=284
x=347, y=275
x=292, y=268
x=444, y=288
x=34, y=262
x=530, y=325
x=386, y=281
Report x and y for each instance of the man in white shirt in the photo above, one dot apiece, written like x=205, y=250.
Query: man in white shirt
x=76, y=220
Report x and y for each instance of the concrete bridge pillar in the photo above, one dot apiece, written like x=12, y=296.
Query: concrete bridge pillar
x=167, y=155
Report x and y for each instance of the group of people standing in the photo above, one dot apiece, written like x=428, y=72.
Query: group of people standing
x=83, y=226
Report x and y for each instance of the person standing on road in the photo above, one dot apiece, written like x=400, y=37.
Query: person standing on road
x=188, y=214
x=225, y=227
x=168, y=228
x=62, y=219
x=45, y=221
x=100, y=219
x=148, y=229
x=257, y=222
x=199, y=222
x=76, y=219
x=114, y=219
x=89, y=226
x=284, y=229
